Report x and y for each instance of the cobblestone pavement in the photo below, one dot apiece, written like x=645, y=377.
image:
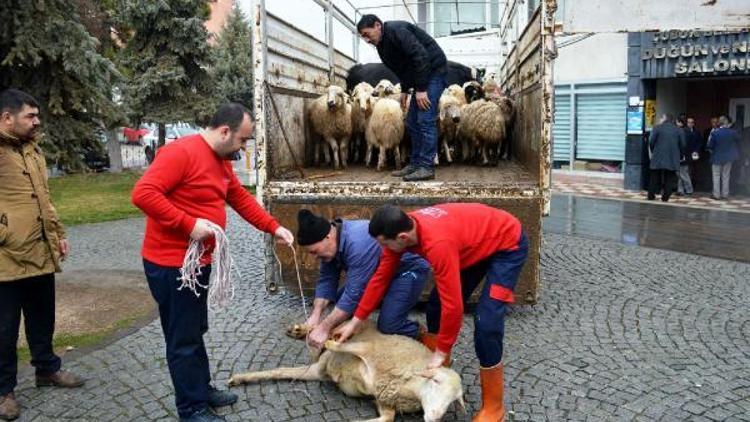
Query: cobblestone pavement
x=620, y=333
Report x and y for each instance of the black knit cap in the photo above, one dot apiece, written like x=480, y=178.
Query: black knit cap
x=311, y=228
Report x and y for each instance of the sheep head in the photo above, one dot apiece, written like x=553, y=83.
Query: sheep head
x=439, y=389
x=362, y=94
x=451, y=111
x=383, y=88
x=473, y=91
x=336, y=97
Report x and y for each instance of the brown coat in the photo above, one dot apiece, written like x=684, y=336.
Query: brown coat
x=30, y=230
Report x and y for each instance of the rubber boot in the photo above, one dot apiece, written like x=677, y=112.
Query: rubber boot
x=430, y=342
x=493, y=406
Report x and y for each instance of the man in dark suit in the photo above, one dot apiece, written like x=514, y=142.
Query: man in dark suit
x=667, y=143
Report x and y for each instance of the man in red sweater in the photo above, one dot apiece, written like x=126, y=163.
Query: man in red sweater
x=188, y=185
x=463, y=243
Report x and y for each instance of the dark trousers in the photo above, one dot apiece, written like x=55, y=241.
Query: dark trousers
x=503, y=269
x=35, y=297
x=664, y=181
x=184, y=320
x=422, y=125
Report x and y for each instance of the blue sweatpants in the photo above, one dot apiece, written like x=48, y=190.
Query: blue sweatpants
x=503, y=269
x=184, y=321
x=422, y=125
x=401, y=297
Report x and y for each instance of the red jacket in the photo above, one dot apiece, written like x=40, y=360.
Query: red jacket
x=186, y=181
x=451, y=237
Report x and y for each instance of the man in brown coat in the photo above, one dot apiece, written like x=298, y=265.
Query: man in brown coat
x=32, y=243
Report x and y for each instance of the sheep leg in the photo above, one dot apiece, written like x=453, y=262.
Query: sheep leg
x=397, y=156
x=335, y=151
x=314, y=372
x=316, y=152
x=381, y=158
x=368, y=155
x=387, y=414
x=344, y=151
x=465, y=150
x=485, y=160
x=447, y=150
x=326, y=154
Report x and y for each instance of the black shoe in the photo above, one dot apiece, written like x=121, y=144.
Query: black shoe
x=651, y=197
x=220, y=398
x=422, y=173
x=204, y=415
x=409, y=169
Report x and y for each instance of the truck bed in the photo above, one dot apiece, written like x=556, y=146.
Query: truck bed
x=507, y=175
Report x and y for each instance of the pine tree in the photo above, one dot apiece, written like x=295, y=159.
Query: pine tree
x=47, y=52
x=166, y=60
x=233, y=71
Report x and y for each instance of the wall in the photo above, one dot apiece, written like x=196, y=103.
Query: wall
x=599, y=57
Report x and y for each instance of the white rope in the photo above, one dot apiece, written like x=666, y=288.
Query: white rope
x=220, y=286
x=299, y=278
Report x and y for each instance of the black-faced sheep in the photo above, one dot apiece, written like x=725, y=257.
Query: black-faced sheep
x=473, y=91
x=385, y=130
x=389, y=368
x=331, y=117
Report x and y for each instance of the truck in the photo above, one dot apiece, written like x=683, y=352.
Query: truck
x=292, y=67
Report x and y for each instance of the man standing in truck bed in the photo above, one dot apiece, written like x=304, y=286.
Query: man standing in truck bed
x=419, y=63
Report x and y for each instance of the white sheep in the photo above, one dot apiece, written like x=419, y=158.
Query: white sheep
x=385, y=130
x=483, y=125
x=386, y=89
x=389, y=368
x=331, y=117
x=362, y=103
x=449, y=106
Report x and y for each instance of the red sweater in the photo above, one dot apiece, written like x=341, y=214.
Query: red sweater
x=450, y=237
x=186, y=181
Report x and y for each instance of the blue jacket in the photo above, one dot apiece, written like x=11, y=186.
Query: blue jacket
x=722, y=144
x=358, y=256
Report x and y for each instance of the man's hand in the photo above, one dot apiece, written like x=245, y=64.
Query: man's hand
x=423, y=102
x=344, y=332
x=318, y=336
x=201, y=230
x=284, y=236
x=404, y=99
x=437, y=360
x=64, y=249
x=313, y=320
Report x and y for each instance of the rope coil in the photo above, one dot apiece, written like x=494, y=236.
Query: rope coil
x=220, y=286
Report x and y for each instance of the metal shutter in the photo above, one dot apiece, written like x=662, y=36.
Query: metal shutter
x=600, y=126
x=561, y=128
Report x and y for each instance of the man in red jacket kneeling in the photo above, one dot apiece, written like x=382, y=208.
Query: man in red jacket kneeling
x=463, y=243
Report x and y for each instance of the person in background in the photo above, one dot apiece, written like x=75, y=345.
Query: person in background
x=723, y=147
x=666, y=143
x=32, y=244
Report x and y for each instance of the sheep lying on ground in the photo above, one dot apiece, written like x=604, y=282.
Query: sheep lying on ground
x=449, y=106
x=362, y=102
x=483, y=125
x=331, y=117
x=389, y=368
x=385, y=130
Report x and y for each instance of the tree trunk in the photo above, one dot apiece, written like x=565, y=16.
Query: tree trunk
x=162, y=134
x=115, y=152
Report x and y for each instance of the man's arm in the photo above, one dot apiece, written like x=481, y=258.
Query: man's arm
x=378, y=284
x=447, y=271
x=248, y=208
x=150, y=192
x=653, y=138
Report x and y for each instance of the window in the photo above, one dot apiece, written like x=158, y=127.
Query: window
x=460, y=16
